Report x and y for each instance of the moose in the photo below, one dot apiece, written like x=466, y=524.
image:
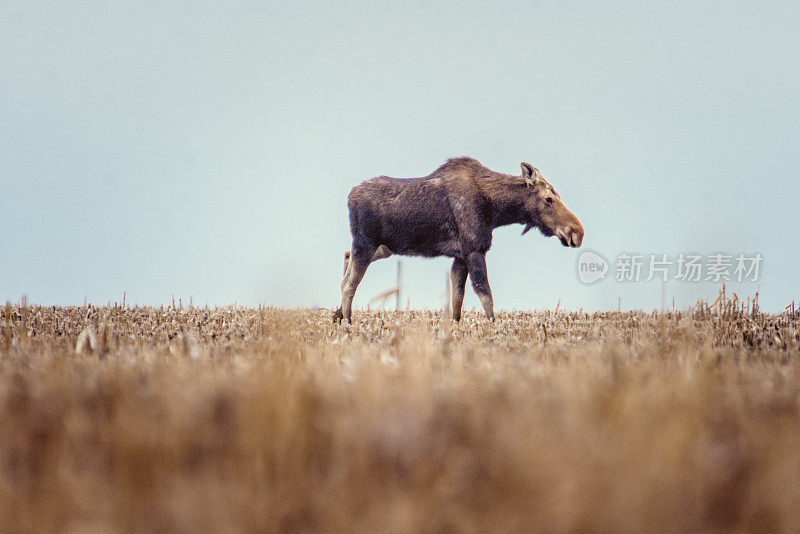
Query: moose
x=451, y=212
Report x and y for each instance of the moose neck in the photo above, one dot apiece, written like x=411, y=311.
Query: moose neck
x=507, y=196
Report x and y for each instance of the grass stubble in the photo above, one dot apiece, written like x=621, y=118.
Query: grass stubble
x=265, y=419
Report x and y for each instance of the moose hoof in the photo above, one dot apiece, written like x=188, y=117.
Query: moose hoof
x=338, y=316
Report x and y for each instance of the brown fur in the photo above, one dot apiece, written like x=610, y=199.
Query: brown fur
x=451, y=212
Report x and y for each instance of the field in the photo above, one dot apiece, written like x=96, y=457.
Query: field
x=261, y=419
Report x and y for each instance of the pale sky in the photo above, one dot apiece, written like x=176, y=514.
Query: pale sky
x=206, y=149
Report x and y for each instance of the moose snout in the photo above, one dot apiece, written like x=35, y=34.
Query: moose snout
x=577, y=236
x=570, y=236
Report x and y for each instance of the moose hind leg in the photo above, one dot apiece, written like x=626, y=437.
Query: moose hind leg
x=338, y=315
x=359, y=261
x=346, y=262
x=381, y=253
x=476, y=264
x=346, y=275
x=458, y=280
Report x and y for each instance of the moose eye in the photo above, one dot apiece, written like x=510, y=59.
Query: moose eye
x=549, y=200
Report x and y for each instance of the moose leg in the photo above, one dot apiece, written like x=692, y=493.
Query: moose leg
x=359, y=261
x=458, y=279
x=337, y=315
x=380, y=253
x=476, y=264
x=346, y=262
x=346, y=275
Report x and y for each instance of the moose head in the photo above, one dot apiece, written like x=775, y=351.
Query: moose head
x=545, y=210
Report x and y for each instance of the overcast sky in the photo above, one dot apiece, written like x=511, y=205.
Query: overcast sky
x=207, y=149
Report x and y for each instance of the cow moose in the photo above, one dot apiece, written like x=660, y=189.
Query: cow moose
x=451, y=212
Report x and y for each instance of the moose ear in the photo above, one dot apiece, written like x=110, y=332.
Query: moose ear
x=529, y=173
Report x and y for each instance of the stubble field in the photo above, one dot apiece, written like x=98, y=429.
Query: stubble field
x=263, y=419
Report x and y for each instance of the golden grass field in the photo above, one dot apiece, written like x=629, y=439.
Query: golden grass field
x=273, y=420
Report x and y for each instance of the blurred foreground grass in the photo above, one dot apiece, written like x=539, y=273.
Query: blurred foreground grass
x=243, y=419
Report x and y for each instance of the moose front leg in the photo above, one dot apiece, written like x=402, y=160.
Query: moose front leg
x=458, y=279
x=476, y=265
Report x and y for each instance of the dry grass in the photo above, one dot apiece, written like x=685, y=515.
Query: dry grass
x=243, y=419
